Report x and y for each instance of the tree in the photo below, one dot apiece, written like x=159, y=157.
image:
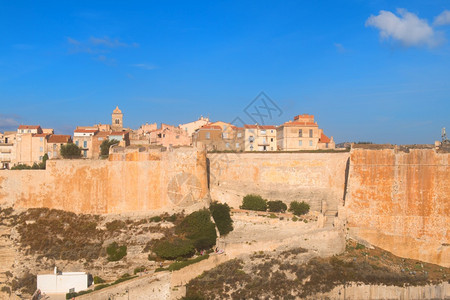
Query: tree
x=299, y=208
x=116, y=252
x=70, y=151
x=106, y=144
x=276, y=206
x=254, y=202
x=199, y=228
x=221, y=215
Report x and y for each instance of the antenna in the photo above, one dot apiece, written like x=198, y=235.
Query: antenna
x=444, y=136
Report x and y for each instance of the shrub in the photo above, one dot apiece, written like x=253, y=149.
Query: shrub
x=273, y=216
x=181, y=264
x=101, y=286
x=115, y=225
x=199, y=228
x=299, y=208
x=221, y=215
x=276, y=206
x=171, y=218
x=98, y=279
x=155, y=219
x=104, y=147
x=70, y=151
x=254, y=202
x=139, y=269
x=116, y=253
x=172, y=249
x=360, y=246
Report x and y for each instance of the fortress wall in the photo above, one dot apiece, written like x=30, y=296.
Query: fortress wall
x=127, y=182
x=400, y=202
x=312, y=177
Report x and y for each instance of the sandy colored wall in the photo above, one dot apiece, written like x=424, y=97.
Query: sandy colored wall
x=400, y=202
x=128, y=182
x=312, y=177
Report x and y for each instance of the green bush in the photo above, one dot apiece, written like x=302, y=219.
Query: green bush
x=97, y=280
x=116, y=253
x=101, y=286
x=294, y=218
x=139, y=269
x=70, y=151
x=172, y=249
x=299, y=208
x=221, y=215
x=199, y=228
x=155, y=219
x=106, y=144
x=122, y=279
x=181, y=264
x=254, y=202
x=273, y=216
x=171, y=218
x=115, y=225
x=276, y=206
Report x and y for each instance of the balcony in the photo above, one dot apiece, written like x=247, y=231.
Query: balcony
x=5, y=150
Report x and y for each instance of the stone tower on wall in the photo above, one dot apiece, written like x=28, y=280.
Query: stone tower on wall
x=117, y=120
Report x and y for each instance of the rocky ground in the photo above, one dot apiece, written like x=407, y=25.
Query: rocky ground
x=299, y=273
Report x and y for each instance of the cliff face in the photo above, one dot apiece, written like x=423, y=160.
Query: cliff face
x=400, y=201
x=128, y=182
x=312, y=177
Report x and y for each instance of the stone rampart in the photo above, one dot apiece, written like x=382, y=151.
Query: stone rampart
x=399, y=199
x=311, y=177
x=130, y=181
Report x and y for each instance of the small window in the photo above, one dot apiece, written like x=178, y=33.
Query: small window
x=251, y=139
x=85, y=144
x=239, y=135
x=237, y=145
x=300, y=143
x=300, y=133
x=177, y=137
x=224, y=135
x=310, y=143
x=40, y=158
x=76, y=143
x=29, y=131
x=41, y=139
x=263, y=132
x=117, y=121
x=227, y=145
x=271, y=139
x=310, y=133
x=271, y=131
x=41, y=149
x=100, y=139
x=208, y=135
x=326, y=145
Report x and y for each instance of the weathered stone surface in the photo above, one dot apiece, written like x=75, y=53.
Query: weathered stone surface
x=311, y=177
x=400, y=201
x=138, y=181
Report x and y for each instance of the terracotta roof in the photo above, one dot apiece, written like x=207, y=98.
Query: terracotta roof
x=59, y=138
x=102, y=133
x=117, y=110
x=85, y=130
x=40, y=135
x=211, y=127
x=118, y=133
x=29, y=127
x=324, y=139
x=304, y=116
x=259, y=126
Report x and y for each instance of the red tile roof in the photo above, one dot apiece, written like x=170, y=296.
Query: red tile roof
x=29, y=127
x=118, y=133
x=40, y=135
x=324, y=139
x=210, y=127
x=259, y=126
x=85, y=130
x=300, y=124
x=59, y=138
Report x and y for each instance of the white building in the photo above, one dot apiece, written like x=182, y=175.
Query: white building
x=62, y=282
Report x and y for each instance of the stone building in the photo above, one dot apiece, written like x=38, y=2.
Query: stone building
x=191, y=127
x=117, y=120
x=54, y=143
x=260, y=138
x=7, y=149
x=169, y=135
x=83, y=138
x=220, y=136
x=302, y=133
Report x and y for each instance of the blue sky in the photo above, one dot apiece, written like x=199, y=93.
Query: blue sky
x=368, y=70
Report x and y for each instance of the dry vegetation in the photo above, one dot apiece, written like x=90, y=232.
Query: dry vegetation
x=270, y=275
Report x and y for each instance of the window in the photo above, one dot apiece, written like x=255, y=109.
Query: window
x=41, y=139
x=41, y=149
x=264, y=141
x=84, y=144
x=300, y=134
x=224, y=135
x=29, y=131
x=237, y=145
x=310, y=143
x=55, y=153
x=117, y=121
x=227, y=145
x=251, y=139
x=326, y=145
x=177, y=137
x=54, y=146
x=263, y=132
x=239, y=135
x=208, y=135
x=84, y=153
x=300, y=143
x=310, y=133
x=76, y=143
x=271, y=139
x=271, y=131
x=40, y=158
x=100, y=139
x=271, y=148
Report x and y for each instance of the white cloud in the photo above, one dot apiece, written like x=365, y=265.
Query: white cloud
x=8, y=122
x=442, y=19
x=406, y=28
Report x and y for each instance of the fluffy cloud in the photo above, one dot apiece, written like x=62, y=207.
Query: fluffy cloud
x=406, y=28
x=442, y=19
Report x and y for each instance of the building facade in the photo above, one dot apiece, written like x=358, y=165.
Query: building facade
x=117, y=120
x=260, y=138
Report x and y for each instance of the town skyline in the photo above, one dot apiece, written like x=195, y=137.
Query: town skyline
x=381, y=75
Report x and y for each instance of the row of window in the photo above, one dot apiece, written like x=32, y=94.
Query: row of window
x=84, y=144
x=300, y=133
x=300, y=143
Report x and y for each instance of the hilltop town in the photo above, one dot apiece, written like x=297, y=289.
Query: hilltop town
x=30, y=143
